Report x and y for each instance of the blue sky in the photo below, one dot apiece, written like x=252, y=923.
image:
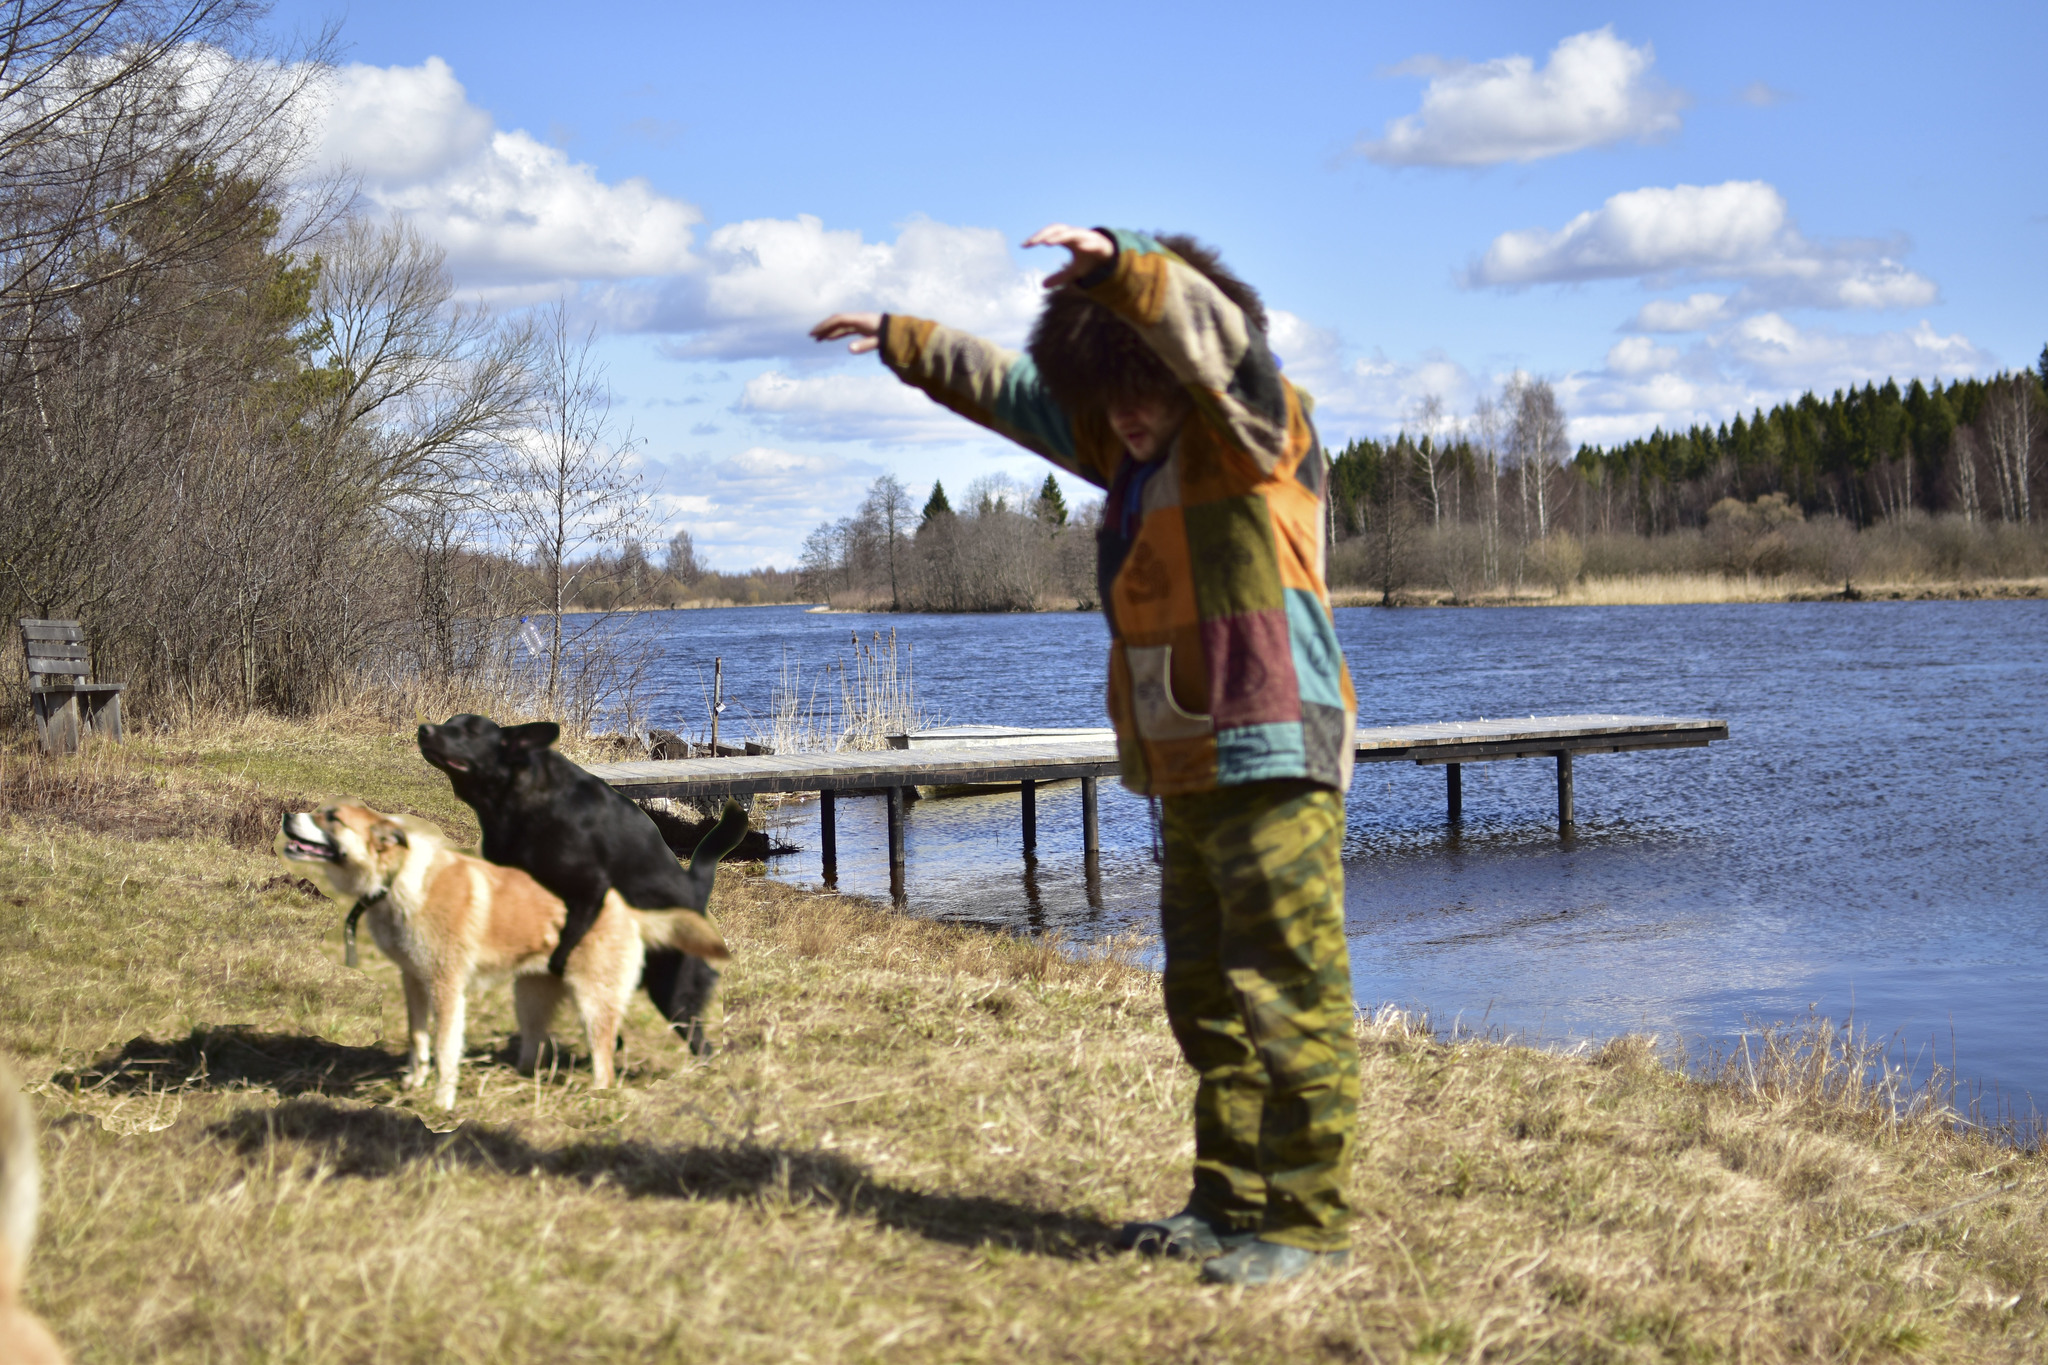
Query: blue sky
x=1670, y=212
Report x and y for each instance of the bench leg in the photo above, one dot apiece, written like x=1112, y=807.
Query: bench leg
x=56, y=715
x=103, y=717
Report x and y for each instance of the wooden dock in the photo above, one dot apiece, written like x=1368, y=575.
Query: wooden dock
x=1029, y=758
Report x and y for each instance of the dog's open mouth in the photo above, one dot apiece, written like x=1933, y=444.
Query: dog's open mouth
x=307, y=842
x=431, y=750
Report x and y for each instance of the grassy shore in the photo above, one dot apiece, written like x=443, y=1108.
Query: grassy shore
x=913, y=1145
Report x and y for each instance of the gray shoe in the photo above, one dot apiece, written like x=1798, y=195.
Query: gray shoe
x=1262, y=1262
x=1184, y=1236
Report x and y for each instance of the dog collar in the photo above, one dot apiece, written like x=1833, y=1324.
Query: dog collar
x=348, y=928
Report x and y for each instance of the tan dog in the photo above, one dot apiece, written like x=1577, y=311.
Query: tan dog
x=448, y=918
x=23, y=1338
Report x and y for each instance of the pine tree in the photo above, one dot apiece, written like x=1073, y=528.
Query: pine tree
x=936, y=504
x=1052, y=507
x=2043, y=367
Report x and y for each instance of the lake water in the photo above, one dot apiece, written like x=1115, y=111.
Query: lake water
x=1870, y=840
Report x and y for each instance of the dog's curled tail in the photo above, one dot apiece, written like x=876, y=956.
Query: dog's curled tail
x=23, y=1339
x=685, y=930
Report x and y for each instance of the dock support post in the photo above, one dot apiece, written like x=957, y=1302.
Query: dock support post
x=896, y=844
x=1564, y=791
x=1454, y=790
x=1091, y=831
x=1030, y=789
x=828, y=836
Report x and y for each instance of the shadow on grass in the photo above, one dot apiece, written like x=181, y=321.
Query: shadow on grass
x=235, y=1058
x=381, y=1142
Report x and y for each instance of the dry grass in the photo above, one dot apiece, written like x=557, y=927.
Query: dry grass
x=914, y=1145
x=1675, y=588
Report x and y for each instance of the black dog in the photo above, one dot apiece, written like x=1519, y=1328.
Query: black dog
x=579, y=838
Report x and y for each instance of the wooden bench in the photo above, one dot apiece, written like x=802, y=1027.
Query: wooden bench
x=64, y=703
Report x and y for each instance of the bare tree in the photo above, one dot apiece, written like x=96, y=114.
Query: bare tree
x=888, y=511
x=1486, y=435
x=681, y=562
x=2012, y=422
x=1392, y=529
x=570, y=481
x=1433, y=453
x=1537, y=441
x=1963, y=448
x=138, y=137
x=421, y=397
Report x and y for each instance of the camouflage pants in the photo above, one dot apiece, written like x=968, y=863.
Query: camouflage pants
x=1258, y=991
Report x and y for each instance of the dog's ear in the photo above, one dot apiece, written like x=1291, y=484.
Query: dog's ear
x=521, y=739
x=389, y=834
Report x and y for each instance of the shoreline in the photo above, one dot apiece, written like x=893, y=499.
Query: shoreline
x=1630, y=591
x=915, y=1142
x=1703, y=589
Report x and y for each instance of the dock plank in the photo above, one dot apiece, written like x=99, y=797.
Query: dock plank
x=1473, y=741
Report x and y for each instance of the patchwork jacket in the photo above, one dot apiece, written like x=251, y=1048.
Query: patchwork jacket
x=1224, y=666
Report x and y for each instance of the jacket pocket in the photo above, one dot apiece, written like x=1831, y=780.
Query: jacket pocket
x=1157, y=714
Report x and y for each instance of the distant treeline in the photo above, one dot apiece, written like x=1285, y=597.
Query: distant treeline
x=1008, y=547
x=1972, y=447
x=1929, y=481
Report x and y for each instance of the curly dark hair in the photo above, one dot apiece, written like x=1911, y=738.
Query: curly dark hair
x=1090, y=358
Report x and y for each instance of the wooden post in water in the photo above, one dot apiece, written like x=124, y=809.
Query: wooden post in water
x=1030, y=816
x=828, y=836
x=896, y=845
x=1091, y=830
x=717, y=699
x=1564, y=791
x=1454, y=789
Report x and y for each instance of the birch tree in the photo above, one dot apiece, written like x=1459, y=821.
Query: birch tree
x=571, y=476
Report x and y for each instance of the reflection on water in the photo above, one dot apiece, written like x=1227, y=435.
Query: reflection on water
x=1871, y=837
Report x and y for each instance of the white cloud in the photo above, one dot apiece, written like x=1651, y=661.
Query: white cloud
x=1738, y=230
x=517, y=216
x=1641, y=383
x=1759, y=95
x=1595, y=89
x=755, y=507
x=766, y=280
x=522, y=222
x=1361, y=396
x=1754, y=362
x=1640, y=355
x=872, y=405
x=1690, y=314
x=400, y=124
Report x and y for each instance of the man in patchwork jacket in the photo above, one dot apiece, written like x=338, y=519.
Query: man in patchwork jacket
x=1148, y=375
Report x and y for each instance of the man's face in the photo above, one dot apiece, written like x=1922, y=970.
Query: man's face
x=1146, y=425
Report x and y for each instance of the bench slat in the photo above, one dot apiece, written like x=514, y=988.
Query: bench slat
x=69, y=631
x=47, y=686
x=74, y=666
x=51, y=649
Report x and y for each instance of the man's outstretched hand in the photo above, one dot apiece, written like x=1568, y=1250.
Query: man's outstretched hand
x=1090, y=249
x=864, y=328
x=1087, y=251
